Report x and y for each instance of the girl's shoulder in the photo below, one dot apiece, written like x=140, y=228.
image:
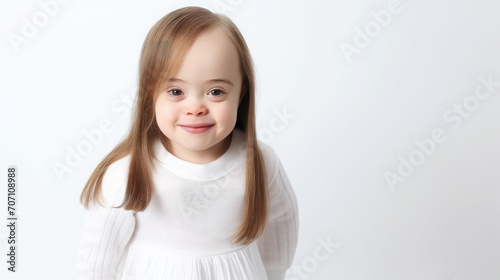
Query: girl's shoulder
x=114, y=182
x=271, y=159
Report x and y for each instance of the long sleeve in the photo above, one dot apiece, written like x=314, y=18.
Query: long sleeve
x=105, y=234
x=278, y=243
x=106, y=231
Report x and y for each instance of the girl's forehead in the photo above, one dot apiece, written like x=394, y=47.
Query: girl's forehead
x=212, y=54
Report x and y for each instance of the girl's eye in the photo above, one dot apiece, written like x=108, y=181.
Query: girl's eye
x=175, y=92
x=214, y=92
x=217, y=92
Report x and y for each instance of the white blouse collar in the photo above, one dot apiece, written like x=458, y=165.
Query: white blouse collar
x=216, y=169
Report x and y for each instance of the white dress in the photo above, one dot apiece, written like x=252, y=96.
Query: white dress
x=184, y=232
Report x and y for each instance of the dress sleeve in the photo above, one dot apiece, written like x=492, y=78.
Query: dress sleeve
x=278, y=243
x=105, y=235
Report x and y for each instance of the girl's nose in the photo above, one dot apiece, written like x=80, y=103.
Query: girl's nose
x=196, y=107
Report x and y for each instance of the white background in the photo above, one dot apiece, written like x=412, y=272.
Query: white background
x=353, y=117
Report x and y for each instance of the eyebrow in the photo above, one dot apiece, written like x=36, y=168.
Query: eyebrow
x=211, y=81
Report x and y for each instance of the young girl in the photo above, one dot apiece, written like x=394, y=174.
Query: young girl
x=190, y=193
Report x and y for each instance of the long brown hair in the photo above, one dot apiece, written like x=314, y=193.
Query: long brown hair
x=162, y=55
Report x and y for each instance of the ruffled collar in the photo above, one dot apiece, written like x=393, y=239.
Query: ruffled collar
x=208, y=171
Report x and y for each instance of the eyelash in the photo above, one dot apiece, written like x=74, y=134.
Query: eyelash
x=221, y=92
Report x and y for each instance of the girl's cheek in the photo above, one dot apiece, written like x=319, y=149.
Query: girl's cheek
x=165, y=113
x=169, y=113
x=227, y=112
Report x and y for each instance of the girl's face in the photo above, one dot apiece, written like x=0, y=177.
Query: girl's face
x=205, y=92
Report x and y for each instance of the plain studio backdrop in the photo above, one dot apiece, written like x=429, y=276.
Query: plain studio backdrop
x=385, y=115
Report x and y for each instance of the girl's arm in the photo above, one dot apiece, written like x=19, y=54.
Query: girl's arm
x=107, y=230
x=105, y=234
x=278, y=243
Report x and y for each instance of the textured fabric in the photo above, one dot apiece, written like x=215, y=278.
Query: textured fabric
x=106, y=233
x=185, y=231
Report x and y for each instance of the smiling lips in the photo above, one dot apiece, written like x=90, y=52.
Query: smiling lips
x=197, y=128
x=197, y=125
